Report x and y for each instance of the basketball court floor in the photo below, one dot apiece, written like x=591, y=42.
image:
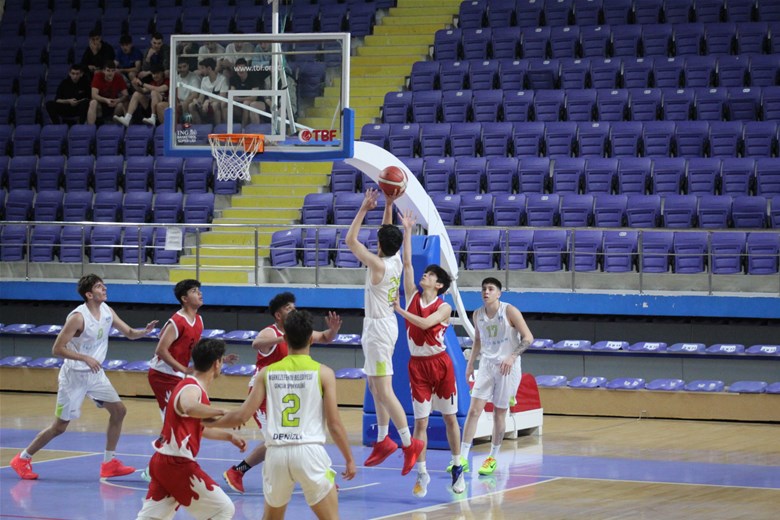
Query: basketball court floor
x=595, y=468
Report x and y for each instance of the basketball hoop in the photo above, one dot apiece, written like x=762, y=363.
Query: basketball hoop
x=234, y=154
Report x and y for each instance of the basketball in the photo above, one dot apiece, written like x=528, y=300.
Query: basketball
x=392, y=179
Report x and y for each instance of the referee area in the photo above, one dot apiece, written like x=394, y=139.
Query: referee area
x=581, y=467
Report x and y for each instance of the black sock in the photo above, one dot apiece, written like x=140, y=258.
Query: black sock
x=243, y=467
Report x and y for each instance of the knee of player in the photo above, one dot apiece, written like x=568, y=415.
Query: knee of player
x=59, y=427
x=118, y=411
x=227, y=512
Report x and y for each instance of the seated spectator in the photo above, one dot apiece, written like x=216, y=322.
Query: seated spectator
x=97, y=53
x=159, y=53
x=206, y=109
x=236, y=50
x=244, y=79
x=183, y=95
x=72, y=99
x=129, y=58
x=109, y=94
x=148, y=96
x=216, y=51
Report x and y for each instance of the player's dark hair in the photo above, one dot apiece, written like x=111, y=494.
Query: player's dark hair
x=86, y=283
x=390, y=239
x=182, y=288
x=442, y=276
x=298, y=329
x=206, y=353
x=279, y=301
x=492, y=281
x=157, y=36
x=208, y=63
x=76, y=66
x=241, y=61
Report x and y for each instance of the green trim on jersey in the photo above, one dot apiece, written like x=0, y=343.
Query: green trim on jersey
x=296, y=363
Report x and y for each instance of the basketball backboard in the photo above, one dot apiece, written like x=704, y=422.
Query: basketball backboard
x=292, y=88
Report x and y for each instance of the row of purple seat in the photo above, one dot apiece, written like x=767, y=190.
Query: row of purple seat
x=635, y=40
x=546, y=104
x=530, y=13
x=625, y=139
x=108, y=173
x=657, y=346
x=506, y=175
x=556, y=250
x=661, y=385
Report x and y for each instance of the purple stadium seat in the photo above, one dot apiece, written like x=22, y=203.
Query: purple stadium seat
x=763, y=350
x=657, y=39
x=550, y=381
x=506, y=43
x=647, y=346
x=469, y=174
x=643, y=211
x=285, y=246
x=657, y=138
x=476, y=209
x=14, y=240
x=576, y=210
x=585, y=250
x=619, y=250
x=481, y=248
x=108, y=138
x=397, y=107
x=528, y=139
x=446, y=44
x=48, y=206
x=238, y=370
x=587, y=382
x=318, y=208
x=542, y=209
x=168, y=207
x=726, y=348
x=564, y=41
x=705, y=385
x=626, y=140
x=727, y=251
x=625, y=383
x=103, y=243
x=136, y=366
x=438, y=174
x=593, y=139
x=404, y=140
x=541, y=343
x=690, y=251
x=763, y=250
x=764, y=71
x=609, y=345
x=114, y=364
x=747, y=387
x=581, y=105
x=679, y=211
x=702, y=175
x=319, y=246
x=535, y=42
x=600, y=175
x=515, y=248
x=774, y=212
x=773, y=388
x=572, y=344
x=453, y=75
x=240, y=335
x=135, y=243
x=667, y=175
x=690, y=348
x=725, y=138
x=166, y=175
x=749, y=211
x=475, y=43
x=425, y=75
x=434, y=139
x=633, y=174
x=344, y=256
x=483, y=75
x=496, y=138
x=732, y=71
x=638, y=75
x=108, y=169
x=677, y=104
x=560, y=138
x=665, y=385
x=626, y=40
x=543, y=74
x=605, y=73
x=501, y=175
x=196, y=174
x=21, y=171
x=26, y=138
x=448, y=206
x=654, y=251
x=457, y=237
x=43, y=241
x=199, y=208
x=509, y=209
x=137, y=206
x=549, y=249
x=81, y=139
x=744, y=104
x=533, y=174
x=574, y=73
x=768, y=176
x=376, y=134
x=19, y=205
x=714, y=211
x=465, y=139
x=46, y=362
x=454, y=106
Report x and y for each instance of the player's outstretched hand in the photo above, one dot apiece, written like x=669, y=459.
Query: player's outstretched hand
x=372, y=196
x=150, y=326
x=231, y=358
x=392, y=197
x=333, y=321
x=350, y=471
x=238, y=442
x=408, y=219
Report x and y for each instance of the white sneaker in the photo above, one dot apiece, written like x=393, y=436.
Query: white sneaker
x=151, y=120
x=124, y=120
x=421, y=486
x=145, y=474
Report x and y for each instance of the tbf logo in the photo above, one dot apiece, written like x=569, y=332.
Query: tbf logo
x=317, y=135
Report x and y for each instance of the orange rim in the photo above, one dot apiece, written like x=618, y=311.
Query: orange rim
x=252, y=142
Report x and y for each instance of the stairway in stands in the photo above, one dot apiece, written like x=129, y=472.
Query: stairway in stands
x=275, y=195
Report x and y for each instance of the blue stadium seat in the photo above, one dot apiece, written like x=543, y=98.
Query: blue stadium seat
x=472, y=14
x=638, y=73
x=483, y=74
x=517, y=105
x=469, y=174
x=633, y=174
x=533, y=174
x=486, y=105
x=560, y=138
x=454, y=106
x=665, y=385
x=197, y=173
x=509, y=209
x=424, y=76
x=593, y=139
x=764, y=70
x=446, y=44
x=654, y=251
x=397, y=107
x=580, y=105
x=481, y=248
x=19, y=205
x=619, y=250
x=543, y=74
x=587, y=382
x=434, y=139
x=747, y=387
x=496, y=138
x=535, y=42
x=404, y=140
x=564, y=41
x=319, y=246
x=705, y=385
x=625, y=383
x=600, y=175
x=725, y=138
x=48, y=206
x=609, y=345
x=572, y=344
x=679, y=211
x=691, y=138
x=318, y=208
x=762, y=250
x=574, y=73
x=549, y=250
x=550, y=381
x=647, y=346
x=626, y=40
x=700, y=71
x=475, y=43
x=438, y=174
x=199, y=208
x=643, y=211
x=576, y=210
x=137, y=206
x=657, y=39
x=465, y=139
x=714, y=211
x=732, y=71
x=108, y=169
x=658, y=138
x=586, y=246
x=542, y=210
x=690, y=251
x=476, y=209
x=168, y=208
x=26, y=139
x=285, y=246
x=726, y=252
x=567, y=174
x=669, y=73
x=612, y=104
x=596, y=41
x=506, y=43
x=768, y=176
x=737, y=175
x=448, y=206
x=760, y=139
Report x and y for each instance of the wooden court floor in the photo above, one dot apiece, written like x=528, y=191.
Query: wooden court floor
x=581, y=467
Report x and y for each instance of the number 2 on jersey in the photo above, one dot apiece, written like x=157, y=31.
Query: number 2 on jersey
x=294, y=405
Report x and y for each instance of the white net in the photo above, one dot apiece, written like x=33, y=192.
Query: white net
x=234, y=154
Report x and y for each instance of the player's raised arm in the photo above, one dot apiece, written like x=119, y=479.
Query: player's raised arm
x=189, y=404
x=408, y=220
x=326, y=336
x=332, y=418
x=371, y=260
x=129, y=332
x=266, y=340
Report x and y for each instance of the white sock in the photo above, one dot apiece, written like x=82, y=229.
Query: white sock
x=108, y=455
x=464, y=450
x=406, y=436
x=421, y=468
x=456, y=459
x=382, y=432
x=24, y=455
x=494, y=449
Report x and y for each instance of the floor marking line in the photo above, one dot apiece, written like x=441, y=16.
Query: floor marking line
x=634, y=481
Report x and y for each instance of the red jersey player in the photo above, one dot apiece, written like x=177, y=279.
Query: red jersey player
x=176, y=477
x=271, y=347
x=431, y=373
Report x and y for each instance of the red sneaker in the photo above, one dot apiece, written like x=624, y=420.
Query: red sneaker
x=234, y=479
x=411, y=453
x=23, y=467
x=114, y=468
x=381, y=451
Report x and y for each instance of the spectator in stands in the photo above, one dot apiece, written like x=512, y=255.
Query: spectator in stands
x=216, y=51
x=97, y=53
x=205, y=108
x=128, y=58
x=72, y=99
x=244, y=79
x=184, y=96
x=109, y=94
x=148, y=96
x=236, y=50
x=159, y=54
